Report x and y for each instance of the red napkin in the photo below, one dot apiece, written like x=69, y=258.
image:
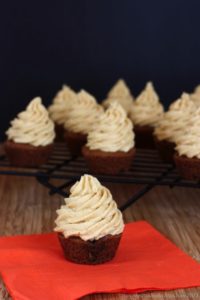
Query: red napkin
x=33, y=267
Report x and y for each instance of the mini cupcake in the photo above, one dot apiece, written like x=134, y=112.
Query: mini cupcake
x=89, y=224
x=60, y=108
x=195, y=96
x=30, y=137
x=120, y=93
x=145, y=114
x=174, y=121
x=82, y=117
x=187, y=156
x=110, y=145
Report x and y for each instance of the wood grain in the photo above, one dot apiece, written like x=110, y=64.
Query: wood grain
x=26, y=207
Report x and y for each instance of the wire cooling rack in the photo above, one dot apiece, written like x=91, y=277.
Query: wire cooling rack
x=147, y=171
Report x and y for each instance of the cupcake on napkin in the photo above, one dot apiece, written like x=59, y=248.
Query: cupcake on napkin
x=174, y=121
x=81, y=119
x=187, y=156
x=146, y=112
x=120, y=93
x=110, y=145
x=30, y=136
x=89, y=224
x=60, y=108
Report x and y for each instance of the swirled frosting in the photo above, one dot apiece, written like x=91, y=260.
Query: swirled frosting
x=32, y=126
x=188, y=143
x=84, y=113
x=147, y=110
x=120, y=93
x=195, y=96
x=113, y=132
x=62, y=104
x=90, y=211
x=175, y=120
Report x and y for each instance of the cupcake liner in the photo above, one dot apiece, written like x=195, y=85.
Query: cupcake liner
x=89, y=252
x=166, y=150
x=144, y=137
x=100, y=162
x=188, y=168
x=25, y=155
x=59, y=129
x=75, y=142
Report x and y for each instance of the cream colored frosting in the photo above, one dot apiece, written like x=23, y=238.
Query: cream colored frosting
x=183, y=104
x=147, y=110
x=90, y=211
x=120, y=93
x=32, y=126
x=175, y=120
x=195, y=96
x=62, y=104
x=113, y=132
x=84, y=113
x=188, y=143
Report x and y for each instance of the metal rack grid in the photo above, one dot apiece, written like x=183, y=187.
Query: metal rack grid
x=147, y=170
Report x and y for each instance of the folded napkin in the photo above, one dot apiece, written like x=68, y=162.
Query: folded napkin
x=33, y=267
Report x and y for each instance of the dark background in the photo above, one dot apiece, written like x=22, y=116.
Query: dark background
x=91, y=43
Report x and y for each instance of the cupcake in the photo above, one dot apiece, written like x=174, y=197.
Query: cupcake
x=89, y=225
x=187, y=156
x=145, y=114
x=60, y=108
x=120, y=93
x=174, y=121
x=110, y=145
x=30, y=136
x=82, y=117
x=195, y=96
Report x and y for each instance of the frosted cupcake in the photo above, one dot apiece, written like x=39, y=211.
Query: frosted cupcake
x=110, y=145
x=174, y=121
x=30, y=136
x=82, y=117
x=195, y=96
x=120, y=93
x=89, y=224
x=60, y=108
x=146, y=112
x=187, y=156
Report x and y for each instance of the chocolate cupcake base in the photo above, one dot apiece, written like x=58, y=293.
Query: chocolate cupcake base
x=100, y=162
x=59, y=129
x=188, y=168
x=144, y=137
x=75, y=142
x=25, y=155
x=89, y=252
x=166, y=150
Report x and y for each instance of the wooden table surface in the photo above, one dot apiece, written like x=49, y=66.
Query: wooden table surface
x=26, y=207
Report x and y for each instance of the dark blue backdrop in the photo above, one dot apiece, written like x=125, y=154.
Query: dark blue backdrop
x=88, y=43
